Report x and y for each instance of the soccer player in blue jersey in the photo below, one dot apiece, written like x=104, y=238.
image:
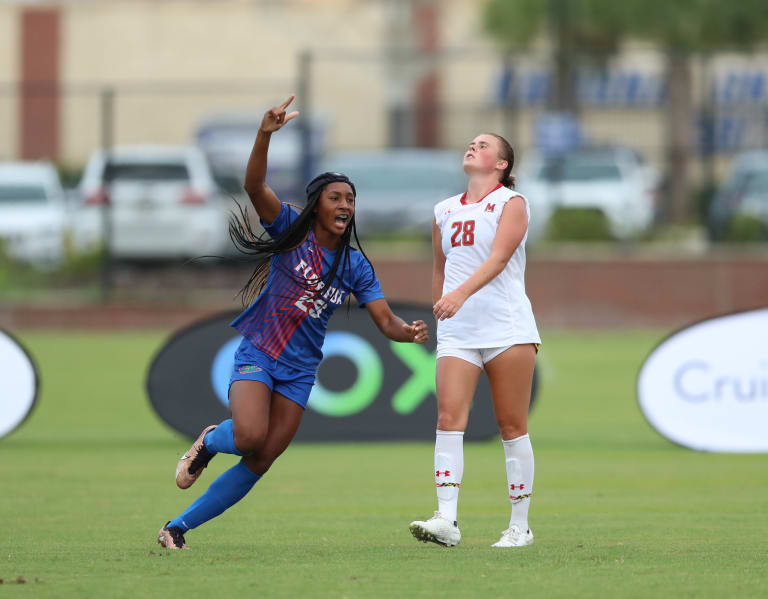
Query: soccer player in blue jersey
x=303, y=273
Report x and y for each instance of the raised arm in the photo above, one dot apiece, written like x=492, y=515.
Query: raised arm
x=510, y=232
x=261, y=195
x=438, y=263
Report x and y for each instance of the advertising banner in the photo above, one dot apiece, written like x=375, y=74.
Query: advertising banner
x=368, y=387
x=18, y=383
x=706, y=386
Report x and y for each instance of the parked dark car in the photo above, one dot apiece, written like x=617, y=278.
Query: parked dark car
x=739, y=210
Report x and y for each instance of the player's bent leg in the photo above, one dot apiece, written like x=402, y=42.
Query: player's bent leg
x=171, y=537
x=223, y=493
x=191, y=465
x=249, y=403
x=511, y=376
x=284, y=420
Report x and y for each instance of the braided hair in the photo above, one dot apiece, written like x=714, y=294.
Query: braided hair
x=261, y=248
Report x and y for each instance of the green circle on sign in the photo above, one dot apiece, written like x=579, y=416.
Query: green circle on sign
x=369, y=375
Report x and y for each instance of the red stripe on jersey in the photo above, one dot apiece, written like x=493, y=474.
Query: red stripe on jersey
x=272, y=343
x=286, y=313
x=261, y=313
x=464, y=196
x=294, y=320
x=283, y=291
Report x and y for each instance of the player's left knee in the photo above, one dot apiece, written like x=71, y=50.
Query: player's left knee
x=512, y=431
x=261, y=464
x=249, y=441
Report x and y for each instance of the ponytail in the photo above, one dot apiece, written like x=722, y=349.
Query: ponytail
x=506, y=153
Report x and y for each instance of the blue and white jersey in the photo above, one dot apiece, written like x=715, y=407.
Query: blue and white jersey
x=289, y=319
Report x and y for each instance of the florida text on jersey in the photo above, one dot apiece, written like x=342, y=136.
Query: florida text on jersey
x=289, y=318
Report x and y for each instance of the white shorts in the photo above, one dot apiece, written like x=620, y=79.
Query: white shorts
x=477, y=356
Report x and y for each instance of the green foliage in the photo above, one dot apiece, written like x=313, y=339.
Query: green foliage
x=579, y=224
x=745, y=229
x=17, y=274
x=683, y=25
x=616, y=508
x=514, y=23
x=703, y=198
x=589, y=25
x=69, y=174
x=697, y=25
x=77, y=266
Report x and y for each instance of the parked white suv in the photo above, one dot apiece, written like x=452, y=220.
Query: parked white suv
x=33, y=218
x=613, y=180
x=164, y=203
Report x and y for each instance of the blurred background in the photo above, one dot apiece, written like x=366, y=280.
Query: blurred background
x=640, y=130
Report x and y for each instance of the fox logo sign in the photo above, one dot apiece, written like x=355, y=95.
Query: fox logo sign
x=367, y=387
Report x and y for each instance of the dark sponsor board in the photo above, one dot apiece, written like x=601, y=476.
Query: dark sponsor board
x=368, y=387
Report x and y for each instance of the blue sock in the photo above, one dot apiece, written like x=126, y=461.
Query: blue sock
x=223, y=493
x=222, y=439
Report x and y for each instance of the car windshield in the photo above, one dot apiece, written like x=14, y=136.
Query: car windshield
x=153, y=171
x=580, y=168
x=757, y=186
x=394, y=178
x=22, y=194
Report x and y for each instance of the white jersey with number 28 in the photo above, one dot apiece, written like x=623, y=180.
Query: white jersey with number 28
x=499, y=314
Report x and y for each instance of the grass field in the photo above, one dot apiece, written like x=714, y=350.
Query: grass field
x=617, y=510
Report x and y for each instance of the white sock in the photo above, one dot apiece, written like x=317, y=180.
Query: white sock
x=449, y=467
x=519, y=461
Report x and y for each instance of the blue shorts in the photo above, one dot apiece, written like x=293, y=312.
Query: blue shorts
x=254, y=365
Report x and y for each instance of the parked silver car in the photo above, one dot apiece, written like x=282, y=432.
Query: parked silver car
x=164, y=203
x=398, y=189
x=33, y=218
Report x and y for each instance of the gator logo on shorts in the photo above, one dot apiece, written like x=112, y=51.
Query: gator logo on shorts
x=248, y=368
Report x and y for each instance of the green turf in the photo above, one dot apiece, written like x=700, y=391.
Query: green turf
x=618, y=511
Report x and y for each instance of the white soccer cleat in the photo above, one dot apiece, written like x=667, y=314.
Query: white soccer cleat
x=514, y=537
x=436, y=530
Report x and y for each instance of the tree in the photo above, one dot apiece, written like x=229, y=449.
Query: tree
x=581, y=31
x=682, y=28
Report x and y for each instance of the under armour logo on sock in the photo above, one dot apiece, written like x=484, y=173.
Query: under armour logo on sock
x=444, y=473
x=512, y=487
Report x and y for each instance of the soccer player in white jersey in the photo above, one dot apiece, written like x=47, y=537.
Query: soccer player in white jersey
x=484, y=322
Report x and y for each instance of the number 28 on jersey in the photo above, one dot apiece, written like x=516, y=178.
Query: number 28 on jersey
x=464, y=233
